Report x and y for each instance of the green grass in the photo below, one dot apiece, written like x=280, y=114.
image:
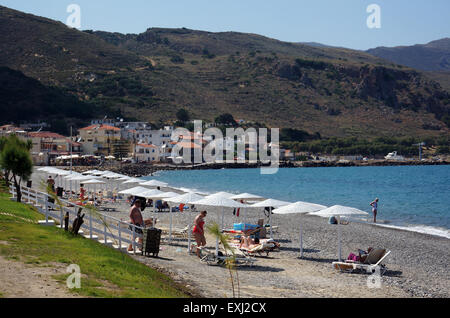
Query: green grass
x=105, y=272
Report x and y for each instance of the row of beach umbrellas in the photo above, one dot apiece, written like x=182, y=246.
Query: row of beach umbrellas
x=221, y=199
x=228, y=200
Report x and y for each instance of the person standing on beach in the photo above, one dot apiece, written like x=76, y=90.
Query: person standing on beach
x=199, y=232
x=51, y=183
x=374, y=205
x=136, y=219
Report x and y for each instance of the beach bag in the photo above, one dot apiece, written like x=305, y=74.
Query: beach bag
x=353, y=257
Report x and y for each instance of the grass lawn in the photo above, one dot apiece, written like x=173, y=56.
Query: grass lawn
x=105, y=272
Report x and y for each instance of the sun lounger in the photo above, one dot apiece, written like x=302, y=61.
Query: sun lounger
x=266, y=246
x=183, y=233
x=372, y=261
x=238, y=258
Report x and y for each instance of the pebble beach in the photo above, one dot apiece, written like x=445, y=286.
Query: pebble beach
x=416, y=267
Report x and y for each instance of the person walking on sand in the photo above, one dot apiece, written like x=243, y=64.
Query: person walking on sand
x=374, y=205
x=199, y=232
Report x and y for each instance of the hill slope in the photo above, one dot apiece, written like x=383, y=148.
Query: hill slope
x=433, y=56
x=34, y=101
x=149, y=76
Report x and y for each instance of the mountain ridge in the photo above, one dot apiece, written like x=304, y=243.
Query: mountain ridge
x=149, y=76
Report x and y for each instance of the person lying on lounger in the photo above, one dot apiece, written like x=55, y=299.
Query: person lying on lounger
x=247, y=241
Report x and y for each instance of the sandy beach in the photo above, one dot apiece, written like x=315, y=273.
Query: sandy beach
x=417, y=265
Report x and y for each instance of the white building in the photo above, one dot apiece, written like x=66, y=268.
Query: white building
x=140, y=132
x=147, y=153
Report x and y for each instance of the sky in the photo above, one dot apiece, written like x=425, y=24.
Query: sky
x=333, y=22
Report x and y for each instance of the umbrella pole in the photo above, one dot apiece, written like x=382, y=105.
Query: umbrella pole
x=301, y=239
x=170, y=227
x=154, y=211
x=339, y=238
x=270, y=221
x=217, y=239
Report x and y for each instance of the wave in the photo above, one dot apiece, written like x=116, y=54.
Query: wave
x=419, y=228
x=424, y=229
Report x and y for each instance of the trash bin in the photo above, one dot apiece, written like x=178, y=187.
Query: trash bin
x=151, y=239
x=29, y=183
x=59, y=191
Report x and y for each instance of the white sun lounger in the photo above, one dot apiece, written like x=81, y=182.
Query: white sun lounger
x=373, y=260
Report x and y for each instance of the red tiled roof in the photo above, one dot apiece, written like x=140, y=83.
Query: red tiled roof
x=101, y=127
x=45, y=134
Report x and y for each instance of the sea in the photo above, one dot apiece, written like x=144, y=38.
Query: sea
x=415, y=198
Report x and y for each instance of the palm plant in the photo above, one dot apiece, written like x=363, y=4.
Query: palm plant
x=230, y=260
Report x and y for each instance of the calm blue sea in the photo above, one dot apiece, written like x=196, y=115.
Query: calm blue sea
x=416, y=197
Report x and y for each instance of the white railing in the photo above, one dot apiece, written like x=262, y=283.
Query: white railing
x=106, y=225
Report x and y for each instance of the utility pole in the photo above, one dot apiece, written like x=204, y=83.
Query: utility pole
x=70, y=145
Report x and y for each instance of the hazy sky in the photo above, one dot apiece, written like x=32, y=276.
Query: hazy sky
x=332, y=22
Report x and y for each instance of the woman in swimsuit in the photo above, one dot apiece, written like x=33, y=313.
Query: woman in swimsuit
x=374, y=205
x=199, y=232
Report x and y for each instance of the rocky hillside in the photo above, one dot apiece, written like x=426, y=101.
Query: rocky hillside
x=25, y=99
x=433, y=56
x=149, y=76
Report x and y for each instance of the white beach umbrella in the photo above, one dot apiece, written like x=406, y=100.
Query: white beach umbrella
x=246, y=196
x=270, y=203
x=154, y=183
x=221, y=194
x=155, y=195
x=112, y=175
x=132, y=180
x=168, y=195
x=91, y=171
x=57, y=173
x=185, y=198
x=151, y=194
x=124, y=178
x=94, y=182
x=101, y=173
x=339, y=210
x=181, y=199
x=73, y=175
x=81, y=178
x=299, y=207
x=134, y=191
x=219, y=201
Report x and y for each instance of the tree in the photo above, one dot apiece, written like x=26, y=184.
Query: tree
x=225, y=119
x=15, y=158
x=183, y=115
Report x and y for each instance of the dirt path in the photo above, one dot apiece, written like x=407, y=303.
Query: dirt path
x=19, y=280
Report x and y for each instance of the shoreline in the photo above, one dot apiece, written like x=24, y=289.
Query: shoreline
x=144, y=169
x=432, y=230
x=417, y=265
